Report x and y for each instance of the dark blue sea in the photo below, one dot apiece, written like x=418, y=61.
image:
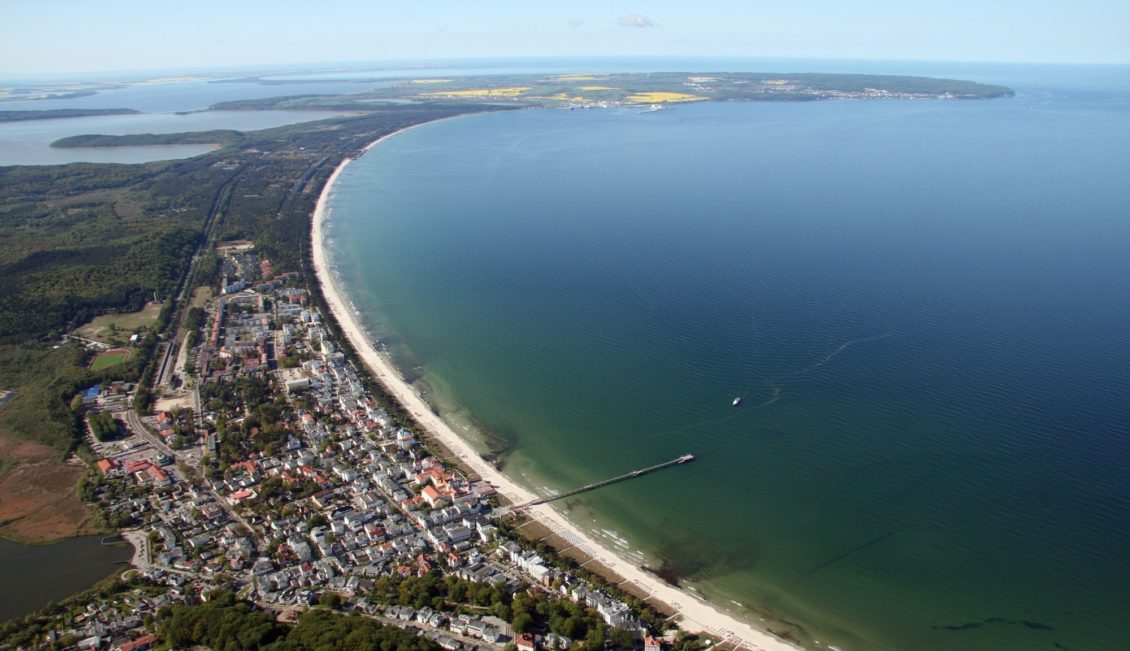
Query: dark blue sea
x=924, y=306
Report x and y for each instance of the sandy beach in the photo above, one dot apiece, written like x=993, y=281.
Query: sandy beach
x=695, y=614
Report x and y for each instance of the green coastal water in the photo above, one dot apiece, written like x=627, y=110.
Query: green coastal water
x=922, y=305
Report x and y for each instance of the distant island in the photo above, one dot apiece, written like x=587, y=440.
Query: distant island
x=566, y=91
x=50, y=114
x=214, y=137
x=602, y=90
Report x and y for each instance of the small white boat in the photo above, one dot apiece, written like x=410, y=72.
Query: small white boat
x=737, y=401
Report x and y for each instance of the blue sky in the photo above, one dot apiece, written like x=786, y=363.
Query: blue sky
x=57, y=36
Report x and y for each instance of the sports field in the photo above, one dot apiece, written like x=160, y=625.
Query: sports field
x=109, y=358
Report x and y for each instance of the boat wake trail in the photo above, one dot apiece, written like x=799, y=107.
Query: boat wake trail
x=775, y=389
x=775, y=386
x=827, y=358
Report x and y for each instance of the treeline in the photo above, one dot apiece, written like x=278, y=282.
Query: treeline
x=31, y=631
x=28, y=185
x=193, y=319
x=263, y=410
x=537, y=611
x=48, y=114
x=52, y=291
x=649, y=616
x=442, y=593
x=320, y=630
x=82, y=240
x=44, y=381
x=47, y=380
x=317, y=103
x=104, y=426
x=262, y=104
x=215, y=137
x=225, y=624
x=899, y=84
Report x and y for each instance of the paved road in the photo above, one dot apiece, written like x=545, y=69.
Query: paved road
x=138, y=426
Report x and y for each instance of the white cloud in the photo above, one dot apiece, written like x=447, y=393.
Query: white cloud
x=637, y=21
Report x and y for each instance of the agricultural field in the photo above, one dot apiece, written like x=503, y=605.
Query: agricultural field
x=510, y=91
x=660, y=96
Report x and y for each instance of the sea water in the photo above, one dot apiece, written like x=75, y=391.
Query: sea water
x=922, y=304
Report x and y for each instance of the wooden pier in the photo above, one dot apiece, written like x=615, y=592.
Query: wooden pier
x=686, y=458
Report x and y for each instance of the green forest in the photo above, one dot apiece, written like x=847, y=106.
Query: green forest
x=224, y=624
x=82, y=240
x=50, y=114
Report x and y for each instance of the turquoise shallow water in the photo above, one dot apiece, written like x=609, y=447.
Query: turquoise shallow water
x=922, y=304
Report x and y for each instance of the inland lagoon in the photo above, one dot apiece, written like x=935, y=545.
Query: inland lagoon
x=33, y=575
x=29, y=142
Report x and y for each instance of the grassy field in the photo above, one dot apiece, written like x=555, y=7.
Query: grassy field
x=116, y=328
x=109, y=358
x=201, y=296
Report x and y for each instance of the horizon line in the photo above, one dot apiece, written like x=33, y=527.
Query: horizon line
x=438, y=62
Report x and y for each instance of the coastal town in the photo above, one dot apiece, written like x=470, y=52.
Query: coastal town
x=243, y=431
x=268, y=470
x=709, y=326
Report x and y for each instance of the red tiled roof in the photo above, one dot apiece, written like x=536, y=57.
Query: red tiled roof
x=140, y=644
x=137, y=466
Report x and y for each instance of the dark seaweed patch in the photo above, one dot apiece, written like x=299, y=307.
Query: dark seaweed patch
x=1036, y=626
x=690, y=557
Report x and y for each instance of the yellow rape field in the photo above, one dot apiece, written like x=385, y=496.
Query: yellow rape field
x=661, y=96
x=512, y=91
x=595, y=88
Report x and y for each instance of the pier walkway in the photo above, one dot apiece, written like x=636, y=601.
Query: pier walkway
x=686, y=458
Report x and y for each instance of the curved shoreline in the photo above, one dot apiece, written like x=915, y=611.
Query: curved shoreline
x=694, y=614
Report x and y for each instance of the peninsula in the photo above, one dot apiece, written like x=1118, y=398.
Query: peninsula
x=57, y=114
x=636, y=89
